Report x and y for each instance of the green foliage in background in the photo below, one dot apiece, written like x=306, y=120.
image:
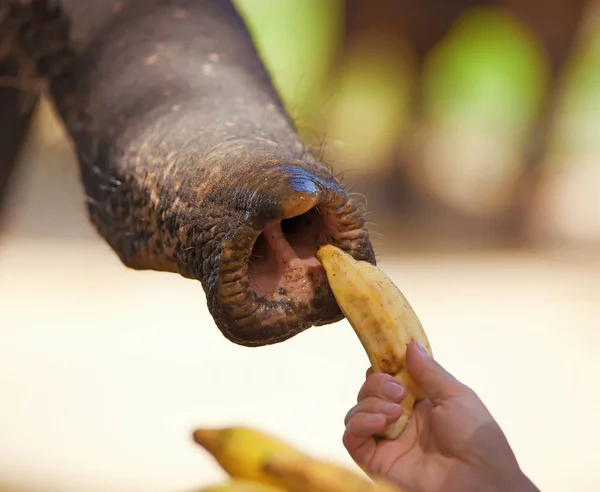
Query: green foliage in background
x=372, y=104
x=489, y=71
x=296, y=39
x=579, y=128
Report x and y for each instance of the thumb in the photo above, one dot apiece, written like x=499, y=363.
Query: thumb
x=437, y=383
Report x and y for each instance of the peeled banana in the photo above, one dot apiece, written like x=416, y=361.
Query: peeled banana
x=249, y=454
x=381, y=317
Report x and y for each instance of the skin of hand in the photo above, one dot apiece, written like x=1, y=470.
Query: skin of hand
x=451, y=443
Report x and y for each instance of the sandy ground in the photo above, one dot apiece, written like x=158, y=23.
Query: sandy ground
x=105, y=371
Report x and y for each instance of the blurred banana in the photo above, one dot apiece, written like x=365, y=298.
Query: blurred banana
x=242, y=451
x=382, y=318
x=310, y=475
x=240, y=485
x=248, y=454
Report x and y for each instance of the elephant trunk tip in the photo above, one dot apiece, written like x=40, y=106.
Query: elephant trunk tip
x=279, y=288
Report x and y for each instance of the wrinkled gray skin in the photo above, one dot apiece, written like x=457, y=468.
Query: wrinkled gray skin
x=189, y=161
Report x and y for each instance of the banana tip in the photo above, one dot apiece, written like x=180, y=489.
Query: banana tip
x=328, y=252
x=207, y=438
x=322, y=252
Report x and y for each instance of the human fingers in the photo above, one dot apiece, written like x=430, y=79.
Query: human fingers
x=383, y=386
x=435, y=381
x=378, y=405
x=372, y=405
x=358, y=436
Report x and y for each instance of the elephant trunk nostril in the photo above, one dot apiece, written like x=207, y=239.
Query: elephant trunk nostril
x=283, y=262
x=269, y=284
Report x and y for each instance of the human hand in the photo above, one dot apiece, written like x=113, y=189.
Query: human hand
x=451, y=443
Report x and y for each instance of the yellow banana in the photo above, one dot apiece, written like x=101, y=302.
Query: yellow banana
x=239, y=485
x=248, y=454
x=242, y=451
x=310, y=475
x=381, y=317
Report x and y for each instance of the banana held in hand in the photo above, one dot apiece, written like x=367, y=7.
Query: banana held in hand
x=382, y=318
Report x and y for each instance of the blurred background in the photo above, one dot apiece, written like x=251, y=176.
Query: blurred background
x=470, y=132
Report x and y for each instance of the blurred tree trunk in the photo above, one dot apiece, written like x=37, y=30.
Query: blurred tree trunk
x=16, y=112
x=402, y=32
x=407, y=31
x=556, y=24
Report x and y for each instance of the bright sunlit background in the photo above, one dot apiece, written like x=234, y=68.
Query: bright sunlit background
x=478, y=161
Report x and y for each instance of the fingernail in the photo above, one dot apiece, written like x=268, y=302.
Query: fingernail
x=421, y=347
x=390, y=408
x=392, y=390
